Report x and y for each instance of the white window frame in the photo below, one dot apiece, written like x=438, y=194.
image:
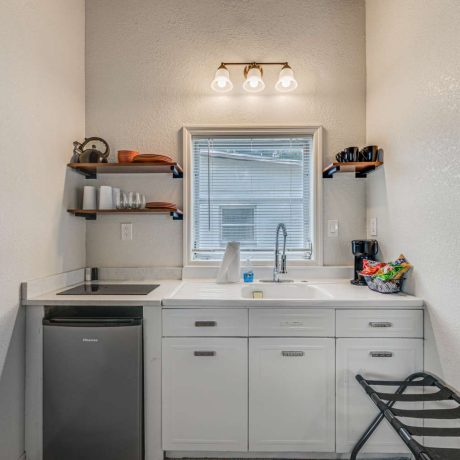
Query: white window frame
x=316, y=131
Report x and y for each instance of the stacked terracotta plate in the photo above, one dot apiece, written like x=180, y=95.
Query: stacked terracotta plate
x=161, y=206
x=150, y=158
x=131, y=156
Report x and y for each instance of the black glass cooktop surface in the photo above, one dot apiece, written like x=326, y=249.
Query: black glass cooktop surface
x=110, y=289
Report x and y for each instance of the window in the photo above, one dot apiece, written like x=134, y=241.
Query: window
x=238, y=224
x=241, y=184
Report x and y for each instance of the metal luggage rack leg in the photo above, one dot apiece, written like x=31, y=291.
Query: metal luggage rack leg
x=386, y=401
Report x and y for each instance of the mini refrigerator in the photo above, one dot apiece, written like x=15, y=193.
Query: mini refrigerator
x=93, y=384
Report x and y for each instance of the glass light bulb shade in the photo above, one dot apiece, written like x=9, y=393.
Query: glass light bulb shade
x=254, y=82
x=286, y=81
x=222, y=82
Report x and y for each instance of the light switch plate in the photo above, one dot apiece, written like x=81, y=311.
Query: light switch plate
x=373, y=226
x=332, y=228
x=126, y=231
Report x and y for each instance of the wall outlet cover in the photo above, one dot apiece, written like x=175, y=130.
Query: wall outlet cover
x=126, y=231
x=332, y=228
x=373, y=226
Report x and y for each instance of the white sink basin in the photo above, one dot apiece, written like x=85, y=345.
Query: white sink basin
x=287, y=291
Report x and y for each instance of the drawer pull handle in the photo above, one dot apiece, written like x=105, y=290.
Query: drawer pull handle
x=381, y=354
x=204, y=353
x=205, y=323
x=292, y=353
x=380, y=324
x=291, y=323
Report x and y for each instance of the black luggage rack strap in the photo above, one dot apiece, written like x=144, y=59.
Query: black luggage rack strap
x=386, y=401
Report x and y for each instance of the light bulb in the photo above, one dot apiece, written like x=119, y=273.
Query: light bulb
x=286, y=81
x=222, y=82
x=253, y=82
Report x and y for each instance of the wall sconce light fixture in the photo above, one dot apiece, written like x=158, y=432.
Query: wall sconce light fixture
x=253, y=74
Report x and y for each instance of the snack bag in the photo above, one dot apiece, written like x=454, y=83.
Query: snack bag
x=371, y=267
x=394, y=270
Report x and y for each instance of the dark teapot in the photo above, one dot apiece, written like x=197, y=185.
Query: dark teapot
x=91, y=155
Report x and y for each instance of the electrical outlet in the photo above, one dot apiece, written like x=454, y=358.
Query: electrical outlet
x=373, y=226
x=332, y=228
x=126, y=232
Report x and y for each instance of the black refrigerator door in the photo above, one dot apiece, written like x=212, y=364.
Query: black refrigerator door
x=92, y=392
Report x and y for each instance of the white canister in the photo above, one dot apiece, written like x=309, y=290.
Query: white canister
x=105, y=197
x=116, y=197
x=89, y=197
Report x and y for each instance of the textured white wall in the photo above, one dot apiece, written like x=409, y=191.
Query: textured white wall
x=148, y=69
x=42, y=112
x=413, y=111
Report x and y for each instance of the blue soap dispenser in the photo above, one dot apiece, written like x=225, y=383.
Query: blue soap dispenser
x=248, y=275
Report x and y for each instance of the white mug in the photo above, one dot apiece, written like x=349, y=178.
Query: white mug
x=89, y=197
x=105, y=197
x=115, y=196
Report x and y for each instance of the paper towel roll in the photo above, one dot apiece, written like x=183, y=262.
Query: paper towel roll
x=229, y=271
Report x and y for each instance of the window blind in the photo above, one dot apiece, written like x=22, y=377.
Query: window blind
x=243, y=186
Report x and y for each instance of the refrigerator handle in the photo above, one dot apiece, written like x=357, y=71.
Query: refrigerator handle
x=92, y=322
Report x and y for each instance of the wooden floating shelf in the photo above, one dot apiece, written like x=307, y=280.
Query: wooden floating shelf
x=91, y=170
x=92, y=214
x=360, y=168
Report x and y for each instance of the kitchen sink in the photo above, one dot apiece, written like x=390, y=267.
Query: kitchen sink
x=286, y=291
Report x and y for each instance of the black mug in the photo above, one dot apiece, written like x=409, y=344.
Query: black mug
x=348, y=154
x=369, y=153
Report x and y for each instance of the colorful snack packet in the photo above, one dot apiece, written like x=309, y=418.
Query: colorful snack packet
x=370, y=267
x=394, y=270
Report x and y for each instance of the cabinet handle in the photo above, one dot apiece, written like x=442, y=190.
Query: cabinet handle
x=381, y=354
x=292, y=353
x=205, y=323
x=380, y=324
x=204, y=353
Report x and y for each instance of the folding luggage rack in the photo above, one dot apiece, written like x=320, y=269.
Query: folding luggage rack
x=386, y=401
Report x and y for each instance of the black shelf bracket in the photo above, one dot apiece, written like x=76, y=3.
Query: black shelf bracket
x=364, y=172
x=86, y=173
x=177, y=174
x=176, y=215
x=329, y=174
x=86, y=215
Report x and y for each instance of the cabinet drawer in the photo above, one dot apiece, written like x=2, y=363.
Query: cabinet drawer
x=380, y=323
x=291, y=322
x=205, y=322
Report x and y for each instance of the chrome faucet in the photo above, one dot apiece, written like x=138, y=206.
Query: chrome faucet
x=280, y=268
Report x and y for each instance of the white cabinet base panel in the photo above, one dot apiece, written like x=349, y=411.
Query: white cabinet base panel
x=205, y=402
x=355, y=411
x=291, y=394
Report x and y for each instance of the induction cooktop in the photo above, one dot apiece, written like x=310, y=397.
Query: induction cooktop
x=110, y=289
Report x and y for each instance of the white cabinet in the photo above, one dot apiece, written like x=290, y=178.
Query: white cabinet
x=291, y=394
x=354, y=409
x=205, y=322
x=205, y=394
x=380, y=323
x=291, y=322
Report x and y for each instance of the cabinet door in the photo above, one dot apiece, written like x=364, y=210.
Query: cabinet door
x=291, y=395
x=355, y=410
x=205, y=390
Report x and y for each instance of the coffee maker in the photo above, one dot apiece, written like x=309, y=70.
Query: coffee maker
x=362, y=249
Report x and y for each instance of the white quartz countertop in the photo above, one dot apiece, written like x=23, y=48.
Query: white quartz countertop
x=166, y=289
x=332, y=293
x=208, y=294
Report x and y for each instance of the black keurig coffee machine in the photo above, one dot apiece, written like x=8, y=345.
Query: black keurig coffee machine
x=363, y=249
